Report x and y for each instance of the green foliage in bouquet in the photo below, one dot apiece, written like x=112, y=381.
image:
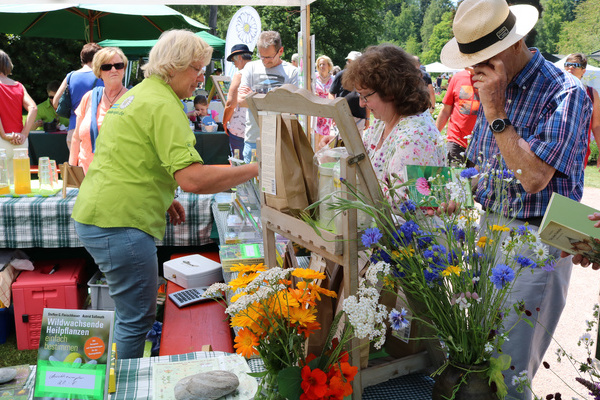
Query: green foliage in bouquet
x=455, y=273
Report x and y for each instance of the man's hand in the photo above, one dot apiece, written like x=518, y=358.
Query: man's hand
x=491, y=80
x=176, y=213
x=578, y=258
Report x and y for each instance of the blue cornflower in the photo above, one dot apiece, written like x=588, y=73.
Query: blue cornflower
x=432, y=273
x=525, y=261
x=371, y=237
x=406, y=232
x=459, y=234
x=438, y=248
x=506, y=174
x=549, y=265
x=522, y=230
x=452, y=258
x=501, y=275
x=468, y=173
x=380, y=255
x=425, y=240
x=407, y=206
x=398, y=320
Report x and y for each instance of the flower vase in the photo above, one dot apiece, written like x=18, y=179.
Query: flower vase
x=463, y=382
x=269, y=388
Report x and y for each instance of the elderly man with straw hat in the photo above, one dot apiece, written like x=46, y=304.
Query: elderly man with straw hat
x=531, y=120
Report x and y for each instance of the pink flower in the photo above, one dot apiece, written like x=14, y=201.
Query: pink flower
x=423, y=186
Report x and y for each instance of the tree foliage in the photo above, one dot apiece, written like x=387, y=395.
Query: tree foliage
x=441, y=34
x=433, y=16
x=555, y=14
x=581, y=34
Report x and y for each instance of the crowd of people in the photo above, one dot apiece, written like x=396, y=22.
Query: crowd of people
x=508, y=109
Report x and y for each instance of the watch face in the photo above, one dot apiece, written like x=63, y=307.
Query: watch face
x=498, y=125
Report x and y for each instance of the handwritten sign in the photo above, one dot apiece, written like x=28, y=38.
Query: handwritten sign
x=70, y=380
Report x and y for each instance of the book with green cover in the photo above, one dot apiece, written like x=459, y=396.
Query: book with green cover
x=436, y=178
x=566, y=226
x=74, y=354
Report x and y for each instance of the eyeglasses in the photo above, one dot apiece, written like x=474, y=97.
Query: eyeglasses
x=574, y=65
x=108, y=67
x=200, y=71
x=365, y=97
x=51, y=97
x=269, y=58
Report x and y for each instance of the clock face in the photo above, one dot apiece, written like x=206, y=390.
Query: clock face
x=498, y=125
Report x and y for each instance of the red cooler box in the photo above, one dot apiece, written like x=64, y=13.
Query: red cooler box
x=52, y=284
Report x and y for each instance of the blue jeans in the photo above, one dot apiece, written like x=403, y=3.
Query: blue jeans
x=236, y=143
x=248, y=147
x=127, y=257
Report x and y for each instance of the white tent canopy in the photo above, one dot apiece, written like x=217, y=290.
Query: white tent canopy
x=439, y=67
x=591, y=77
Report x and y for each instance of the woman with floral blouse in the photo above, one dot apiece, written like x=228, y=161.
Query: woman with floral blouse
x=404, y=132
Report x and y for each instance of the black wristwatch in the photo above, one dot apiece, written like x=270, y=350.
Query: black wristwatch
x=499, y=125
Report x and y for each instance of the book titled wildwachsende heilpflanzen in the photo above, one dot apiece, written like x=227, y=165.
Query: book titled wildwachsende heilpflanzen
x=74, y=354
x=566, y=226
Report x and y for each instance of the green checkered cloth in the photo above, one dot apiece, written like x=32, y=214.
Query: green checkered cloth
x=46, y=222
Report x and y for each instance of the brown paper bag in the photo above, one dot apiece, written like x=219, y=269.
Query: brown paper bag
x=306, y=155
x=291, y=192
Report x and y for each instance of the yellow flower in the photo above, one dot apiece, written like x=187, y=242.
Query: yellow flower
x=243, y=268
x=237, y=296
x=302, y=316
x=501, y=228
x=483, y=241
x=307, y=273
x=452, y=269
x=242, y=281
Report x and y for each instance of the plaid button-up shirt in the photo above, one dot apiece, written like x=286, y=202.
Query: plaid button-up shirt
x=551, y=111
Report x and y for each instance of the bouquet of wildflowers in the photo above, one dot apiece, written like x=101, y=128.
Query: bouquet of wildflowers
x=275, y=312
x=455, y=273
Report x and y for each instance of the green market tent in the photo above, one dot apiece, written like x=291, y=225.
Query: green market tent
x=92, y=22
x=141, y=48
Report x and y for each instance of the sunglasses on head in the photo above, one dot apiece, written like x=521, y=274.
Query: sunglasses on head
x=108, y=67
x=574, y=65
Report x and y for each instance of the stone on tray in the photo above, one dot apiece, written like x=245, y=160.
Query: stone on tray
x=8, y=374
x=206, y=385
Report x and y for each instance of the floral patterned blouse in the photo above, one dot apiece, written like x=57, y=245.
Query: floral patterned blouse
x=322, y=90
x=415, y=140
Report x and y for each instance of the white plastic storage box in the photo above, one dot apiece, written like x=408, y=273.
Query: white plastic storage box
x=101, y=300
x=193, y=271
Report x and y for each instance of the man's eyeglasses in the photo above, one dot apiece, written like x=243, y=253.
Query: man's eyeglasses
x=574, y=65
x=51, y=97
x=365, y=98
x=108, y=67
x=200, y=71
x=269, y=58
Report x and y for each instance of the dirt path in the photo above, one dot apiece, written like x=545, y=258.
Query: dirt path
x=583, y=294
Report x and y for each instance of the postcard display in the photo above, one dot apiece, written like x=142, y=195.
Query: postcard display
x=274, y=110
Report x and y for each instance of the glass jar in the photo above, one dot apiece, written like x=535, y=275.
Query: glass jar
x=4, y=173
x=21, y=171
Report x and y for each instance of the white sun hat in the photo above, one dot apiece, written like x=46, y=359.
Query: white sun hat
x=485, y=28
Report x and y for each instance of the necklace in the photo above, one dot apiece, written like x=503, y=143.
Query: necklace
x=114, y=98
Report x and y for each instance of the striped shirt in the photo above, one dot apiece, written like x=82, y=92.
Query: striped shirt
x=551, y=111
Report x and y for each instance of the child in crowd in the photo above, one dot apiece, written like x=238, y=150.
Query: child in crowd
x=202, y=113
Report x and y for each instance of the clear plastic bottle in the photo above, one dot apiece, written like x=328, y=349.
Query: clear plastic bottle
x=4, y=173
x=22, y=171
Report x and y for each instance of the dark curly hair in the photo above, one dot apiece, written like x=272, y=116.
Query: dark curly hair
x=391, y=72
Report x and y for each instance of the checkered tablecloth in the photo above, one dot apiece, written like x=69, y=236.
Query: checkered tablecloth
x=27, y=222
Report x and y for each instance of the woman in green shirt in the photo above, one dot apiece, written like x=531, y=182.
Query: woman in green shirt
x=144, y=151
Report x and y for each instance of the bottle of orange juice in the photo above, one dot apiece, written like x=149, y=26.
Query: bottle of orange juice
x=4, y=174
x=22, y=171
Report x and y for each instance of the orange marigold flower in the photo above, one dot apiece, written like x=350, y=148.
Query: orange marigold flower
x=242, y=281
x=302, y=316
x=245, y=343
x=307, y=273
x=243, y=268
x=304, y=297
x=314, y=383
x=309, y=329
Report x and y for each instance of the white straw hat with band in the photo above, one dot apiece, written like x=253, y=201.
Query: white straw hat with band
x=485, y=28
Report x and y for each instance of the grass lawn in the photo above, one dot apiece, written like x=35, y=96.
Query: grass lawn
x=592, y=177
